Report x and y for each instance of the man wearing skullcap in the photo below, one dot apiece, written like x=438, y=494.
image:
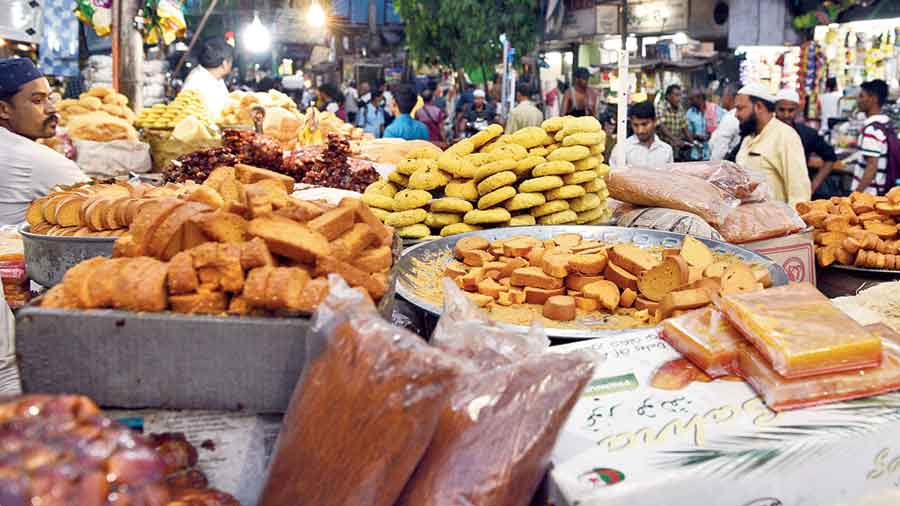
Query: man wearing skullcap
x=820, y=157
x=28, y=170
x=770, y=146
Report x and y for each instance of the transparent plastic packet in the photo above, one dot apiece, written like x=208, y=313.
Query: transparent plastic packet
x=782, y=394
x=741, y=183
x=759, y=221
x=800, y=332
x=363, y=412
x=493, y=442
x=670, y=220
x=705, y=338
x=646, y=187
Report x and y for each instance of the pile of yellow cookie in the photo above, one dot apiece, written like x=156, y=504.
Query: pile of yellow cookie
x=547, y=175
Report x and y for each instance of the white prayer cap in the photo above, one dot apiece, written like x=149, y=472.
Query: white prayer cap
x=788, y=96
x=757, y=90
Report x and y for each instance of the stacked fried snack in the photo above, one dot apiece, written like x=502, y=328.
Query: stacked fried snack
x=167, y=116
x=237, y=244
x=101, y=210
x=189, y=486
x=240, y=104
x=860, y=230
x=568, y=275
x=99, y=98
x=549, y=175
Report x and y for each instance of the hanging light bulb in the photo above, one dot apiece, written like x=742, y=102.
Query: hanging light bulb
x=256, y=36
x=315, y=16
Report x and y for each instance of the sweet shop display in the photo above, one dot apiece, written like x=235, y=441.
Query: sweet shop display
x=188, y=103
x=330, y=166
x=706, y=338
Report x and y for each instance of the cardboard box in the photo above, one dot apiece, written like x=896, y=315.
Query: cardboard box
x=795, y=253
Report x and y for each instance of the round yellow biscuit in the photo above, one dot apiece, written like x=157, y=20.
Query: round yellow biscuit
x=406, y=218
x=398, y=178
x=604, y=193
x=569, y=191
x=489, y=169
x=584, y=139
x=424, y=153
x=462, y=189
x=551, y=147
x=417, y=231
x=409, y=166
x=577, y=125
x=540, y=184
x=451, y=205
x=507, y=151
x=525, y=201
x=590, y=215
x=556, y=168
x=585, y=202
x=569, y=154
x=428, y=179
x=458, y=228
x=487, y=135
x=551, y=207
x=479, y=217
x=539, y=151
x=524, y=166
x=589, y=163
x=449, y=162
x=529, y=137
x=580, y=177
x=489, y=184
x=522, y=220
x=463, y=147
x=603, y=170
x=496, y=197
x=441, y=220
x=411, y=199
x=382, y=187
x=560, y=218
x=553, y=124
x=381, y=214
x=595, y=186
x=478, y=159
x=378, y=201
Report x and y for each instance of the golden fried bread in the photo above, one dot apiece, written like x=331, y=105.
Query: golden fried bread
x=248, y=174
x=182, y=277
x=203, y=302
x=333, y=223
x=290, y=239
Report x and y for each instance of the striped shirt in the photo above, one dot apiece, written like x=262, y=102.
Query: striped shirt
x=873, y=143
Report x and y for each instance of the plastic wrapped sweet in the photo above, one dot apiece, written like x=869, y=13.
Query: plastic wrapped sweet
x=739, y=182
x=59, y=450
x=493, y=442
x=759, y=221
x=706, y=338
x=648, y=188
x=669, y=220
x=782, y=394
x=800, y=332
x=364, y=411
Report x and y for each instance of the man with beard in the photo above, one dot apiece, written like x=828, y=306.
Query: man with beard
x=819, y=155
x=643, y=149
x=770, y=146
x=28, y=170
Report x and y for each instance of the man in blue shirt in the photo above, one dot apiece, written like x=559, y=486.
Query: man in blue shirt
x=404, y=126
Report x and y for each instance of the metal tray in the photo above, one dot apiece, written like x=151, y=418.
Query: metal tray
x=406, y=279
x=47, y=257
x=880, y=272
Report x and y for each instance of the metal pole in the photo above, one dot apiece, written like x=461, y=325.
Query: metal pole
x=130, y=62
x=197, y=32
x=624, y=23
x=622, y=117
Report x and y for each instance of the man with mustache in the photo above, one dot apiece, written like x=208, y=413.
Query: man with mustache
x=819, y=155
x=28, y=170
x=770, y=146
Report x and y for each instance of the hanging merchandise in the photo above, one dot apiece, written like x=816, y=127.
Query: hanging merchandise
x=96, y=14
x=59, y=40
x=163, y=19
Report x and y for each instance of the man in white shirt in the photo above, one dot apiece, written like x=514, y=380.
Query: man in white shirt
x=216, y=58
x=830, y=100
x=28, y=170
x=643, y=149
x=351, y=102
x=727, y=135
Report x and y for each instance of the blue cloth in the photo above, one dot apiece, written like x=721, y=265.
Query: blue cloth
x=404, y=127
x=371, y=119
x=697, y=126
x=59, y=40
x=16, y=72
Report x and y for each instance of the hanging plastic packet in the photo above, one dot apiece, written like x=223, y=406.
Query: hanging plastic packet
x=163, y=19
x=706, y=338
x=96, y=14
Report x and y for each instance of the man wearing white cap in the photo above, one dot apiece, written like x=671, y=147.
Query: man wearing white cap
x=770, y=146
x=479, y=110
x=819, y=155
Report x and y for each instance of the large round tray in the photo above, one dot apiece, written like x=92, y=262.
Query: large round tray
x=879, y=272
x=47, y=258
x=407, y=281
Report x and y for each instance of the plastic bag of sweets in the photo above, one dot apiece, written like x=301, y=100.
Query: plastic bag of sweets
x=739, y=182
x=363, y=412
x=493, y=442
x=706, y=338
x=781, y=394
x=763, y=220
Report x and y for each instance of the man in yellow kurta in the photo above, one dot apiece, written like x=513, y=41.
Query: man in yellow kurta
x=770, y=146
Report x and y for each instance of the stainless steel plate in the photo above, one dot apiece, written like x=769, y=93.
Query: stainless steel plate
x=407, y=281
x=881, y=272
x=47, y=257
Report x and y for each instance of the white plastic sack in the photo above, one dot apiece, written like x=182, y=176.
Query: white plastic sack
x=115, y=158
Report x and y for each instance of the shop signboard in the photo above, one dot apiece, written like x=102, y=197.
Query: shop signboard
x=657, y=16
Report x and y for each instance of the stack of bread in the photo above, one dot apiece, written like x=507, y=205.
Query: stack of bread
x=549, y=175
x=860, y=230
x=570, y=277
x=101, y=210
x=167, y=116
x=98, y=98
x=237, y=110
x=237, y=244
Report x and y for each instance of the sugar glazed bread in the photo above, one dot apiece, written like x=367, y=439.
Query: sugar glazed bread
x=570, y=277
x=242, y=248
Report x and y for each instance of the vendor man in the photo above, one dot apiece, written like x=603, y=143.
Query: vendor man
x=28, y=170
x=819, y=155
x=208, y=78
x=770, y=146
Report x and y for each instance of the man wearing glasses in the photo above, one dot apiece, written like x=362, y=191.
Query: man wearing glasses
x=28, y=170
